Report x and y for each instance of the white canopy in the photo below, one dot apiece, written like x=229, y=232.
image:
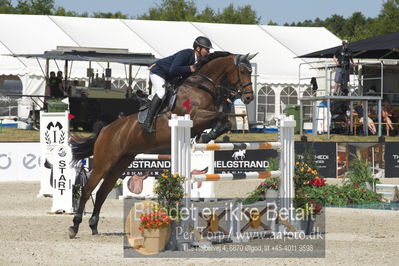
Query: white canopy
x=277, y=46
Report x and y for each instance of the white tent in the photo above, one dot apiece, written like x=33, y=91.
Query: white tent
x=278, y=46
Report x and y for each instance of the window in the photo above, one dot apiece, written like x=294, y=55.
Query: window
x=140, y=84
x=289, y=96
x=266, y=104
x=9, y=85
x=119, y=84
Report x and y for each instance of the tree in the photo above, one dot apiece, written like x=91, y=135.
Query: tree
x=110, y=15
x=239, y=15
x=60, y=11
x=388, y=19
x=36, y=7
x=207, y=15
x=172, y=10
x=180, y=10
x=6, y=7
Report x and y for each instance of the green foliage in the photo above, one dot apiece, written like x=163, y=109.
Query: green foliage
x=181, y=10
x=261, y=191
x=60, y=11
x=172, y=10
x=312, y=192
x=169, y=190
x=6, y=7
x=273, y=164
x=309, y=156
x=360, y=172
x=110, y=15
x=357, y=26
x=35, y=7
x=332, y=195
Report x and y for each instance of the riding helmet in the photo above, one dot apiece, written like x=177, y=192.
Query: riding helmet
x=202, y=42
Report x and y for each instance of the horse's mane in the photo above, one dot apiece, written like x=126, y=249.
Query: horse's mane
x=209, y=57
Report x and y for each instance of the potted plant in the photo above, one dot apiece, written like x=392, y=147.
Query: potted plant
x=267, y=188
x=361, y=174
x=155, y=227
x=170, y=192
x=307, y=184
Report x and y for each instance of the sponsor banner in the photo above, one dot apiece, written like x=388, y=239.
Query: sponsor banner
x=134, y=175
x=153, y=167
x=20, y=161
x=325, y=156
x=392, y=159
x=58, y=176
x=243, y=160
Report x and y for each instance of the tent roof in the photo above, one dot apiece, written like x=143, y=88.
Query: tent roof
x=380, y=47
x=301, y=40
x=276, y=62
x=129, y=58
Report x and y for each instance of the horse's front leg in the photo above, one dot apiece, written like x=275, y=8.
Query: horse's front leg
x=217, y=121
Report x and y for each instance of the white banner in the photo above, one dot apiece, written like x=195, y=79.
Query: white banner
x=58, y=176
x=20, y=161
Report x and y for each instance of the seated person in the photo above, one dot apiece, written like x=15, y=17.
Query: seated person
x=370, y=123
x=386, y=115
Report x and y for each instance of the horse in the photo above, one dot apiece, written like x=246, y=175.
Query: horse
x=218, y=76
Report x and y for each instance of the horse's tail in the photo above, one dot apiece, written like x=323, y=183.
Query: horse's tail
x=82, y=147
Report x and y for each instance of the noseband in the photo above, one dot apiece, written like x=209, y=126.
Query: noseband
x=240, y=86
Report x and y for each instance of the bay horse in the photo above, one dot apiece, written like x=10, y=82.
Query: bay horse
x=220, y=76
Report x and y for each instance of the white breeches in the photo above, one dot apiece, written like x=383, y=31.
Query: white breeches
x=157, y=85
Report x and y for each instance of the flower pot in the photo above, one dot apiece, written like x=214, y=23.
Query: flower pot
x=172, y=239
x=270, y=196
x=307, y=224
x=155, y=239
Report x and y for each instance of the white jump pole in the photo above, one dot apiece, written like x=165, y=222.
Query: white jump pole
x=287, y=162
x=181, y=150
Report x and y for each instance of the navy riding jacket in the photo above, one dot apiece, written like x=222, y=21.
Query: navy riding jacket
x=175, y=65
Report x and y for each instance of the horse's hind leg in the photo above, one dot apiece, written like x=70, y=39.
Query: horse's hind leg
x=93, y=181
x=107, y=185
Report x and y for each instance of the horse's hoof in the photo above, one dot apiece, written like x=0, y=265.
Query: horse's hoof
x=94, y=232
x=72, y=232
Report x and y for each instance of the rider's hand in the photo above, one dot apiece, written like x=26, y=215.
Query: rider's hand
x=193, y=68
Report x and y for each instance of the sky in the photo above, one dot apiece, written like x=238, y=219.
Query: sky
x=279, y=11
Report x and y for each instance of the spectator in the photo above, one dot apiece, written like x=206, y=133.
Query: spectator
x=60, y=83
x=55, y=90
x=370, y=123
x=386, y=114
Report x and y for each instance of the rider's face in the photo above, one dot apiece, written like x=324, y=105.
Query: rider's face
x=204, y=51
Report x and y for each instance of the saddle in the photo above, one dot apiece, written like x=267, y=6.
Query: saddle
x=135, y=183
x=168, y=102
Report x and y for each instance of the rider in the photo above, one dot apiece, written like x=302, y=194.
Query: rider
x=180, y=64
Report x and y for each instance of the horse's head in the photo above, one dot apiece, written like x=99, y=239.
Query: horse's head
x=241, y=77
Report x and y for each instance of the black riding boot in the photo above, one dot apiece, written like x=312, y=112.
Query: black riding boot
x=216, y=131
x=152, y=110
